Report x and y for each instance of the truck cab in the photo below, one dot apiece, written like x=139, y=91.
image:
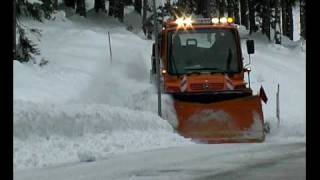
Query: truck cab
x=205, y=53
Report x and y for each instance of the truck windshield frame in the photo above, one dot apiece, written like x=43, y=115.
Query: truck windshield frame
x=203, y=51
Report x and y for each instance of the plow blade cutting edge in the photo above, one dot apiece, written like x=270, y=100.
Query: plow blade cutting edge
x=231, y=121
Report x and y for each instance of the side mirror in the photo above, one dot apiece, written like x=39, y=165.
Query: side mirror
x=250, y=46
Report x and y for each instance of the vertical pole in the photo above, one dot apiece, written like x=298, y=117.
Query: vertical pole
x=249, y=80
x=157, y=55
x=278, y=106
x=110, y=47
x=249, y=72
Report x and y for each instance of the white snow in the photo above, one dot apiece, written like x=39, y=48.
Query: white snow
x=34, y=1
x=83, y=107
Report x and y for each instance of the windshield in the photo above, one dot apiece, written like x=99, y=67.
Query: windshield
x=203, y=51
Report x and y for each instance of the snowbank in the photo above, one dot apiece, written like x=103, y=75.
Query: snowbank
x=47, y=134
x=82, y=106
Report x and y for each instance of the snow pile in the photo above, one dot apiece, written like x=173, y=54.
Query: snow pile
x=82, y=106
x=48, y=134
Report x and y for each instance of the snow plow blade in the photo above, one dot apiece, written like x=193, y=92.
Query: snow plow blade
x=238, y=120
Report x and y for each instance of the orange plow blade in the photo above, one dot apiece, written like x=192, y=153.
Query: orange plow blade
x=230, y=121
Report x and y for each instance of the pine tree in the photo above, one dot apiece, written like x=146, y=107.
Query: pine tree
x=244, y=13
x=25, y=49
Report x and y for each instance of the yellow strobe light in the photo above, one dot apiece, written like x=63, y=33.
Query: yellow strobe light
x=230, y=20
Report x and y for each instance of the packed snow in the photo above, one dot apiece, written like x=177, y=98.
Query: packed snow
x=81, y=106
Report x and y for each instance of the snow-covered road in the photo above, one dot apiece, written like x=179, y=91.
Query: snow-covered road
x=244, y=162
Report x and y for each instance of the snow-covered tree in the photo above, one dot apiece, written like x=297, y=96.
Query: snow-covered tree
x=25, y=45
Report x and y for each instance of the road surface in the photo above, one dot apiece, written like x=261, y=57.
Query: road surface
x=194, y=162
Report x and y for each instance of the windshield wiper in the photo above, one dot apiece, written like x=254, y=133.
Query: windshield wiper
x=193, y=72
x=202, y=68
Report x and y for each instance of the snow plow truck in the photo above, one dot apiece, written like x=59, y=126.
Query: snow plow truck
x=202, y=68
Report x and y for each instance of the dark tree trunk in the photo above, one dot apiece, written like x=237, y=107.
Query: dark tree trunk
x=111, y=7
x=138, y=6
x=236, y=11
x=277, y=34
x=230, y=8
x=284, y=17
x=289, y=21
x=252, y=22
x=200, y=7
x=266, y=18
x=70, y=3
x=81, y=8
x=55, y=4
x=244, y=13
x=144, y=15
x=99, y=4
x=221, y=5
x=303, y=18
x=119, y=12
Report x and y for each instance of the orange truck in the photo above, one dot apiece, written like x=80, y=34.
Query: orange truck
x=201, y=67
